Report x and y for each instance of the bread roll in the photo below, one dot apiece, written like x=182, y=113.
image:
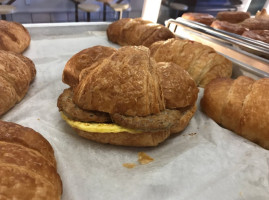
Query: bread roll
x=202, y=62
x=13, y=37
x=255, y=23
x=27, y=165
x=16, y=74
x=240, y=105
x=111, y=89
x=232, y=16
x=203, y=18
x=229, y=27
x=262, y=14
x=129, y=31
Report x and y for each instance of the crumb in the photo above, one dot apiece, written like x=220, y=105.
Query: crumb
x=38, y=119
x=129, y=165
x=192, y=134
x=143, y=158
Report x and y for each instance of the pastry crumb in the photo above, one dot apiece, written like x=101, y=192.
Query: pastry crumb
x=143, y=158
x=191, y=134
x=129, y=165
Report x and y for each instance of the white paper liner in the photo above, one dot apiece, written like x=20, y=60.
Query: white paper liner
x=205, y=161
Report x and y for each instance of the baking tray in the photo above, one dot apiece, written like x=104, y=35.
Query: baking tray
x=205, y=161
x=231, y=45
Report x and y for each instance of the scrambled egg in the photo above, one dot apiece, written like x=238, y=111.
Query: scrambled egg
x=97, y=127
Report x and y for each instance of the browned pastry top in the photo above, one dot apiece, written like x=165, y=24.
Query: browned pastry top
x=262, y=14
x=13, y=36
x=240, y=105
x=229, y=27
x=84, y=59
x=126, y=83
x=128, y=31
x=203, y=18
x=202, y=62
x=27, y=165
x=16, y=74
x=256, y=23
x=232, y=16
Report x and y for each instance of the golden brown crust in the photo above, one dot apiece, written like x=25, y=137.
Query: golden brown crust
x=27, y=164
x=198, y=59
x=255, y=24
x=240, y=105
x=13, y=36
x=203, y=18
x=262, y=35
x=126, y=83
x=216, y=88
x=255, y=116
x=16, y=74
x=232, y=16
x=82, y=60
x=137, y=32
x=229, y=27
x=262, y=14
x=179, y=89
x=233, y=104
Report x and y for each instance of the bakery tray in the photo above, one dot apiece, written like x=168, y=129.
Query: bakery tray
x=251, y=53
x=205, y=161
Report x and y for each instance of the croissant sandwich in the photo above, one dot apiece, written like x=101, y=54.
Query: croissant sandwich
x=240, y=105
x=202, y=62
x=27, y=165
x=13, y=37
x=128, y=99
x=137, y=31
x=16, y=74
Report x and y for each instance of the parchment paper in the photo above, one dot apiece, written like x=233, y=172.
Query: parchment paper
x=205, y=161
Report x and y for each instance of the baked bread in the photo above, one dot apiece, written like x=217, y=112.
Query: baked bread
x=232, y=16
x=229, y=27
x=255, y=23
x=240, y=105
x=262, y=14
x=82, y=60
x=128, y=99
x=16, y=74
x=202, y=62
x=262, y=35
x=27, y=165
x=13, y=37
x=137, y=32
x=203, y=18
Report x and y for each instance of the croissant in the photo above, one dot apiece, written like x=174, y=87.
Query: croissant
x=137, y=31
x=232, y=16
x=229, y=27
x=13, y=37
x=255, y=23
x=27, y=165
x=202, y=62
x=129, y=99
x=240, y=105
x=16, y=74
